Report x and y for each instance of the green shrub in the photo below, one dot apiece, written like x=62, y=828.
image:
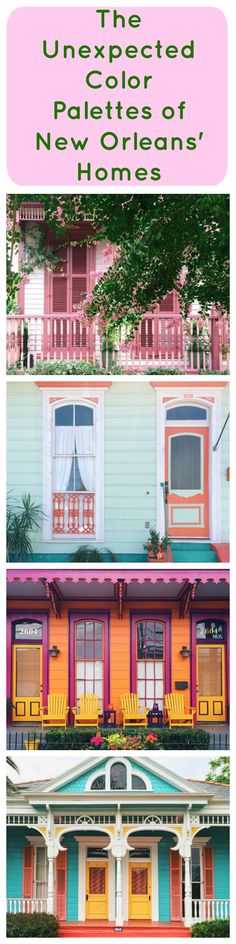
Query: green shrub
x=218, y=928
x=32, y=925
x=73, y=739
x=77, y=739
x=186, y=739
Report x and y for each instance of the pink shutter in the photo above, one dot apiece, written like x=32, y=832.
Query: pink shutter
x=78, y=274
x=59, y=283
x=208, y=872
x=167, y=303
x=61, y=885
x=28, y=872
x=175, y=886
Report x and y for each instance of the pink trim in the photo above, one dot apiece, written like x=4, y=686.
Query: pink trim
x=222, y=552
x=104, y=616
x=151, y=575
x=74, y=383
x=155, y=614
x=195, y=617
x=28, y=614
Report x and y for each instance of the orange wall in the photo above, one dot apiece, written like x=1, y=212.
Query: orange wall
x=119, y=643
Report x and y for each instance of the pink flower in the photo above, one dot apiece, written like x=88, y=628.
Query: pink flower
x=96, y=740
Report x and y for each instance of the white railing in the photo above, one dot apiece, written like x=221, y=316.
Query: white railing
x=26, y=905
x=207, y=909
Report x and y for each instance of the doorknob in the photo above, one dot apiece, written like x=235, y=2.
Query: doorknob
x=149, y=898
x=86, y=897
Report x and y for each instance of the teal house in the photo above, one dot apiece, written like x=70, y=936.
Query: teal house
x=121, y=839
x=108, y=460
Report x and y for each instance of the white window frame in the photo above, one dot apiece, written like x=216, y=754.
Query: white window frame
x=84, y=398
x=129, y=770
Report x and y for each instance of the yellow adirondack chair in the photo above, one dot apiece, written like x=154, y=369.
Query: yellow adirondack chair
x=131, y=712
x=54, y=714
x=175, y=711
x=87, y=716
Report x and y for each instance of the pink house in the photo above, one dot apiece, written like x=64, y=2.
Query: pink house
x=48, y=325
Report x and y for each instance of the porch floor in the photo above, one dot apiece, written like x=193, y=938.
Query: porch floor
x=130, y=929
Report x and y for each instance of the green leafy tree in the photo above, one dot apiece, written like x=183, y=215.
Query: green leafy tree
x=219, y=770
x=153, y=240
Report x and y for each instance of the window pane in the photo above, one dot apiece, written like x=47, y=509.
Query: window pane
x=89, y=670
x=138, y=783
x=118, y=777
x=185, y=462
x=79, y=650
x=150, y=640
x=96, y=853
x=80, y=630
x=64, y=415
x=83, y=415
x=98, y=670
x=211, y=629
x=98, y=630
x=139, y=853
x=139, y=881
x=98, y=650
x=98, y=783
x=185, y=412
x=27, y=629
x=89, y=650
x=150, y=670
x=97, y=881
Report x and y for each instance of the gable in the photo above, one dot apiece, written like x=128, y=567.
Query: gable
x=157, y=784
x=79, y=783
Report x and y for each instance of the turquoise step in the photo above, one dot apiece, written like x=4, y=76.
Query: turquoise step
x=193, y=553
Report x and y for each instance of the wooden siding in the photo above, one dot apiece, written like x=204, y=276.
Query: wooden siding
x=119, y=643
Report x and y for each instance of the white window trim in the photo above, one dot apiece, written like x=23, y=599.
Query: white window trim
x=71, y=395
x=199, y=397
x=107, y=772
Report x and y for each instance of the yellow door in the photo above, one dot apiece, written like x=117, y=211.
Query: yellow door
x=140, y=890
x=96, y=889
x=211, y=683
x=27, y=683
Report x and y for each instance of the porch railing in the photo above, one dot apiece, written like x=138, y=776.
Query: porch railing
x=207, y=909
x=73, y=513
x=31, y=212
x=26, y=905
x=158, y=342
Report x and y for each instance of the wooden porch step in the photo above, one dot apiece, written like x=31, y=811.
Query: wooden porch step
x=132, y=929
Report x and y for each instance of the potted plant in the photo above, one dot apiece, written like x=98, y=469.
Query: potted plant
x=32, y=741
x=156, y=546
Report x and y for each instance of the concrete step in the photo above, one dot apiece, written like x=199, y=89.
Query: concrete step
x=193, y=553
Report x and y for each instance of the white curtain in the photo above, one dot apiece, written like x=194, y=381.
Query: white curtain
x=84, y=438
x=65, y=439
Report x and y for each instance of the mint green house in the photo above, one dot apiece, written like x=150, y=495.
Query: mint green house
x=95, y=455
x=122, y=839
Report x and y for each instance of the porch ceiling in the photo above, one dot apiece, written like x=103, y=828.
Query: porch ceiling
x=154, y=584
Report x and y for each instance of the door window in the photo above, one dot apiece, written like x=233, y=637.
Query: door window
x=185, y=463
x=210, y=671
x=28, y=672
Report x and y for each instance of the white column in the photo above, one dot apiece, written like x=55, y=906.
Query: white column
x=119, y=896
x=188, y=893
x=50, y=896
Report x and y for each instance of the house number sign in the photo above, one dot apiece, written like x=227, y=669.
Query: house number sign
x=27, y=631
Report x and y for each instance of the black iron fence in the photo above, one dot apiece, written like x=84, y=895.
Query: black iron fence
x=38, y=741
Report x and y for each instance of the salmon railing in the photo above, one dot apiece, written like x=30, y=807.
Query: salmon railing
x=73, y=513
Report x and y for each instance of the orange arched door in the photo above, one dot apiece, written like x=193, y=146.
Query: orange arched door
x=187, y=473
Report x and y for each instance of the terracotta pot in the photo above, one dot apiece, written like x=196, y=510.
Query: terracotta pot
x=156, y=558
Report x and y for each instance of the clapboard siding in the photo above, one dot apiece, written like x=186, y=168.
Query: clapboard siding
x=132, y=495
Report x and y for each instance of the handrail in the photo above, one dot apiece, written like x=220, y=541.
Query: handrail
x=165, y=489
x=221, y=433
